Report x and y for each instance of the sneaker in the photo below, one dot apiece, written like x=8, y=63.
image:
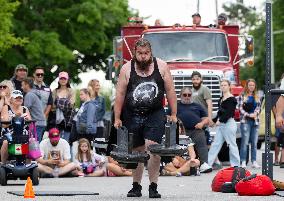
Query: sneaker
x=153, y=193
x=244, y=164
x=135, y=191
x=178, y=174
x=205, y=168
x=255, y=165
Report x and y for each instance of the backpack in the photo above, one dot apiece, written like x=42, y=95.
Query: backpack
x=230, y=176
x=255, y=185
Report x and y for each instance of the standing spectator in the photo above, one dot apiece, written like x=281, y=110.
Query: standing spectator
x=86, y=117
x=42, y=90
x=201, y=94
x=196, y=19
x=33, y=103
x=194, y=118
x=64, y=100
x=226, y=127
x=21, y=72
x=94, y=85
x=249, y=105
x=6, y=87
x=55, y=160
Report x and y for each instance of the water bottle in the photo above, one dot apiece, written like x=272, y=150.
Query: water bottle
x=56, y=172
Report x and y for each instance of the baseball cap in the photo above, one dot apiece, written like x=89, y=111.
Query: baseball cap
x=196, y=14
x=16, y=93
x=64, y=74
x=21, y=66
x=54, y=134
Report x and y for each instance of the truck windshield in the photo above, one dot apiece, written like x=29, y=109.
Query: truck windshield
x=189, y=46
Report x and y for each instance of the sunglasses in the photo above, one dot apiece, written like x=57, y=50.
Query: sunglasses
x=39, y=74
x=22, y=70
x=186, y=95
x=3, y=87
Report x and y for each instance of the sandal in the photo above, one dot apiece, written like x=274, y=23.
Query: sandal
x=276, y=163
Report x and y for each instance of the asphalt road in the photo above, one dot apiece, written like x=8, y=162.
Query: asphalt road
x=115, y=188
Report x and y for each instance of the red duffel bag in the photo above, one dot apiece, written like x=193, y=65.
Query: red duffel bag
x=224, y=175
x=255, y=185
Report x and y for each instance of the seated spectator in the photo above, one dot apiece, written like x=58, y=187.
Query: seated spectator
x=115, y=170
x=158, y=22
x=55, y=160
x=91, y=164
x=6, y=87
x=182, y=165
x=194, y=118
x=8, y=112
x=196, y=19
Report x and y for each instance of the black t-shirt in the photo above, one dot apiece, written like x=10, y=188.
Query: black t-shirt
x=190, y=114
x=17, y=84
x=145, y=94
x=226, y=109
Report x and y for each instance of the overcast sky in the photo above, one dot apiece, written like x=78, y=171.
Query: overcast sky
x=180, y=11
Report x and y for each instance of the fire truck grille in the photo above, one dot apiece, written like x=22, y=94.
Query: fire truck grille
x=212, y=82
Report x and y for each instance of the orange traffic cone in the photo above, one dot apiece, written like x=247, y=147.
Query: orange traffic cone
x=29, y=192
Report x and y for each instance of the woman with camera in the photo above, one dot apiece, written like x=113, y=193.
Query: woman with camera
x=249, y=105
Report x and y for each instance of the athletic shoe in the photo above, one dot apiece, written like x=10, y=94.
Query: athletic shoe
x=205, y=168
x=255, y=165
x=244, y=164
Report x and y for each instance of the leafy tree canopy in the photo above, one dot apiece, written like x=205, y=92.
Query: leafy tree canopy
x=73, y=34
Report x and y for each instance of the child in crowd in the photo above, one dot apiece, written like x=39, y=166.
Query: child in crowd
x=91, y=163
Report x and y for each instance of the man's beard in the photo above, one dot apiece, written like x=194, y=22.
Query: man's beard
x=143, y=65
x=196, y=86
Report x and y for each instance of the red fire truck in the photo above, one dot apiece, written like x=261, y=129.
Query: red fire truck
x=213, y=51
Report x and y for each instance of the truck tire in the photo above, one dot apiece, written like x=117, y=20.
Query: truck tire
x=3, y=177
x=35, y=177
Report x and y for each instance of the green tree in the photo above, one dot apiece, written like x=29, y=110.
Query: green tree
x=73, y=34
x=8, y=39
x=256, y=27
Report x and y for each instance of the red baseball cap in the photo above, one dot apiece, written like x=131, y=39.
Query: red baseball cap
x=54, y=134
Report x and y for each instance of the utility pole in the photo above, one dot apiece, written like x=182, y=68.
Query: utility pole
x=198, y=6
x=217, y=13
x=267, y=157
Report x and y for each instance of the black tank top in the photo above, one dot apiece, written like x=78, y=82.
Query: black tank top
x=145, y=94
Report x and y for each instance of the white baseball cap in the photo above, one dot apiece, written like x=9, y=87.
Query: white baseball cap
x=16, y=94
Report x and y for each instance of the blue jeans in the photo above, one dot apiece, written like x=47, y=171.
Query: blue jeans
x=249, y=133
x=225, y=132
x=65, y=135
x=39, y=131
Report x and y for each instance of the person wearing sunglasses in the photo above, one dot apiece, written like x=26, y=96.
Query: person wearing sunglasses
x=6, y=87
x=64, y=100
x=42, y=90
x=194, y=118
x=21, y=72
x=15, y=108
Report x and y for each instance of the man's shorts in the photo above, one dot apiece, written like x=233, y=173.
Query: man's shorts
x=149, y=127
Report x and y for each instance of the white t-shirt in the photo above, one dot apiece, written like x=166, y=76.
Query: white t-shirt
x=61, y=151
